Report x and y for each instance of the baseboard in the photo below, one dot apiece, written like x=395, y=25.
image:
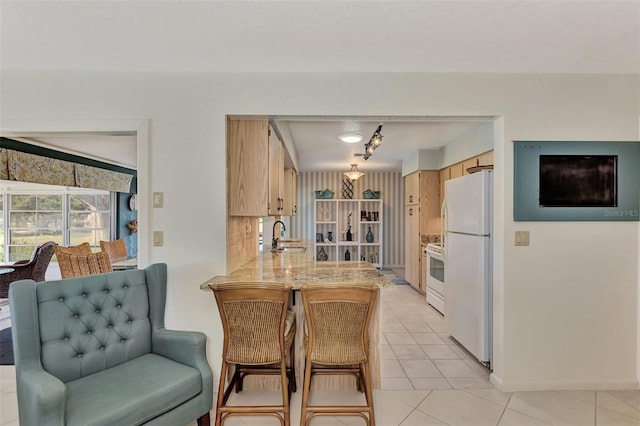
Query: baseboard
x=560, y=385
x=496, y=381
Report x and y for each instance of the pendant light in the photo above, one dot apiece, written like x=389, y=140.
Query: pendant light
x=354, y=173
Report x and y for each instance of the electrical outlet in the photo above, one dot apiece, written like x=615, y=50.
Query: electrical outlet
x=158, y=238
x=522, y=238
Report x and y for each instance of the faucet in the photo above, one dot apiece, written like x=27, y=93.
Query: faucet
x=274, y=240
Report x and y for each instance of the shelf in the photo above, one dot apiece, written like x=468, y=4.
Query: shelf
x=346, y=213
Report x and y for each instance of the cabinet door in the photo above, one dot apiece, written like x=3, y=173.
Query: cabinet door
x=289, y=195
x=412, y=246
x=247, y=165
x=455, y=171
x=444, y=176
x=276, y=174
x=485, y=159
x=471, y=162
x=412, y=188
x=429, y=202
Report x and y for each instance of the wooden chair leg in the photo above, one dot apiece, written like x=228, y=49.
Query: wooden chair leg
x=204, y=420
x=306, y=386
x=221, y=392
x=292, y=379
x=368, y=392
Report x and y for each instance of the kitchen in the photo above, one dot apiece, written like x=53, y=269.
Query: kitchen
x=410, y=216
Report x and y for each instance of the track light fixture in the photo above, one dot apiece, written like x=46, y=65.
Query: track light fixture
x=374, y=143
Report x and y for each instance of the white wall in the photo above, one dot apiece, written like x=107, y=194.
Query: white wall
x=472, y=143
x=566, y=309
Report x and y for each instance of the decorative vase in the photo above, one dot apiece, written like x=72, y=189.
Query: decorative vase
x=322, y=255
x=349, y=234
x=347, y=255
x=330, y=235
x=369, y=236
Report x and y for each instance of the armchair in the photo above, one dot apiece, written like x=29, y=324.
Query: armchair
x=34, y=268
x=93, y=350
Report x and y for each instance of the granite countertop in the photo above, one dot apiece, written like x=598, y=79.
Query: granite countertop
x=297, y=268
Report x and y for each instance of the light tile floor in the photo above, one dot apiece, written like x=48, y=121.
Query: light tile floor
x=427, y=379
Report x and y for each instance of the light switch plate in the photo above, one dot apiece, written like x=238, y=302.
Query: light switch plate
x=158, y=238
x=522, y=238
x=158, y=199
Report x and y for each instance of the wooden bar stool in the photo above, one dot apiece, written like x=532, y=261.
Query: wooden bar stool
x=258, y=330
x=337, y=342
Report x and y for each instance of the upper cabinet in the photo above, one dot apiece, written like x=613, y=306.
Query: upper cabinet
x=276, y=175
x=282, y=182
x=247, y=167
x=412, y=189
x=290, y=188
x=256, y=184
x=460, y=169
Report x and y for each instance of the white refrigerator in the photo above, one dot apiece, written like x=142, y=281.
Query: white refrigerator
x=468, y=262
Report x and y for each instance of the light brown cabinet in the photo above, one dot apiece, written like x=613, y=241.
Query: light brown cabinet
x=276, y=175
x=290, y=196
x=460, y=169
x=412, y=245
x=412, y=189
x=247, y=166
x=422, y=217
x=485, y=159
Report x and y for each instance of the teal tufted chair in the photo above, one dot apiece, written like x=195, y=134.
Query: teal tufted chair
x=94, y=351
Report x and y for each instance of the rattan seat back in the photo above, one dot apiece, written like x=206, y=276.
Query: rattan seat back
x=258, y=334
x=337, y=342
x=253, y=328
x=80, y=249
x=72, y=265
x=117, y=249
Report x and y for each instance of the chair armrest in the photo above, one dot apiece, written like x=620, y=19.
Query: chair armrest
x=41, y=398
x=185, y=347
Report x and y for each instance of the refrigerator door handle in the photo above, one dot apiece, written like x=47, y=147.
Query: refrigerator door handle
x=443, y=220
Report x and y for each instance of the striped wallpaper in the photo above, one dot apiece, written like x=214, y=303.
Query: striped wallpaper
x=391, y=187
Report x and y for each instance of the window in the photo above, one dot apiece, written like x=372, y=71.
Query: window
x=36, y=214
x=33, y=220
x=89, y=218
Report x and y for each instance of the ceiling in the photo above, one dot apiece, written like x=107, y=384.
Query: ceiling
x=319, y=149
x=324, y=36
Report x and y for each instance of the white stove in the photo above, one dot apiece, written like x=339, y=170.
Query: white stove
x=435, y=276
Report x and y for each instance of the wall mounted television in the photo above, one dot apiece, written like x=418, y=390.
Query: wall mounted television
x=576, y=181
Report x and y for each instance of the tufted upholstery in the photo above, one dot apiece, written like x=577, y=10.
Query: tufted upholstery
x=94, y=350
x=88, y=325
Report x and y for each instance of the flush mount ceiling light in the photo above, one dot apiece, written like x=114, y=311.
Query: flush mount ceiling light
x=354, y=173
x=373, y=144
x=351, y=137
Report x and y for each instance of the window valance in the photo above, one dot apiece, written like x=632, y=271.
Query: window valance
x=24, y=167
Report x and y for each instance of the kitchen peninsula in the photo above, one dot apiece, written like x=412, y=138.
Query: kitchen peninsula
x=295, y=266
